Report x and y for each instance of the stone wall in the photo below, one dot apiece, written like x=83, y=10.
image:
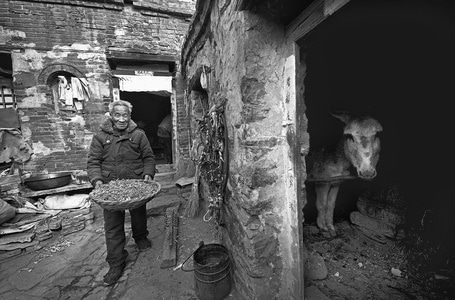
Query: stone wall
x=77, y=38
x=252, y=68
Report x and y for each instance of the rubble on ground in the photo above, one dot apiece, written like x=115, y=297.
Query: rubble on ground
x=33, y=224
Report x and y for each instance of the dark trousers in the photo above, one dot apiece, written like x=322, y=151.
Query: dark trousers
x=114, y=231
x=167, y=143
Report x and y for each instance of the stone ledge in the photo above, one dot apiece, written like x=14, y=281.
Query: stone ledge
x=106, y=4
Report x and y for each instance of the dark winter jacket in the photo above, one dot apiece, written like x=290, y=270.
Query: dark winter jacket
x=112, y=156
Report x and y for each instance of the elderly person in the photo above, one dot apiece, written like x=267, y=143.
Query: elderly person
x=120, y=150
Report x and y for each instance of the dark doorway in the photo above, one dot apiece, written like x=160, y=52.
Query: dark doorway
x=392, y=60
x=148, y=112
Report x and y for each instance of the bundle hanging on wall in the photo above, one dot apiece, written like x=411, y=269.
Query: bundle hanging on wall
x=211, y=164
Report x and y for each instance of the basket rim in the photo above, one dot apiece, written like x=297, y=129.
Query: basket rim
x=127, y=204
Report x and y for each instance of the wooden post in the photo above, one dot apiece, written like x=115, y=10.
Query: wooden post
x=169, y=254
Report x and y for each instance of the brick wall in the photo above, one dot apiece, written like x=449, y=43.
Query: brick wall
x=45, y=37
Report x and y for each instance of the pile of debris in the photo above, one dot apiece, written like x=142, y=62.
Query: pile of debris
x=9, y=184
x=379, y=215
x=25, y=224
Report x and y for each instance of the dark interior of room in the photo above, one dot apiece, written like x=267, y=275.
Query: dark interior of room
x=393, y=60
x=151, y=110
x=6, y=65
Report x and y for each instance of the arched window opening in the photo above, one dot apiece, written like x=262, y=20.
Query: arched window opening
x=70, y=92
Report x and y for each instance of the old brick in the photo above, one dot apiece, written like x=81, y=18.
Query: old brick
x=52, y=35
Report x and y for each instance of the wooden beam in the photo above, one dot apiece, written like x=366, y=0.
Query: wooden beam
x=138, y=56
x=312, y=16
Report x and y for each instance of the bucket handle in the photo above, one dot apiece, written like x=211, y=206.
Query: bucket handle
x=201, y=243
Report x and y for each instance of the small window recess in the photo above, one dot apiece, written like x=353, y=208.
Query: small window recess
x=70, y=92
x=8, y=98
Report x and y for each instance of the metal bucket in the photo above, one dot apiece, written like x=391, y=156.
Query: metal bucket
x=212, y=272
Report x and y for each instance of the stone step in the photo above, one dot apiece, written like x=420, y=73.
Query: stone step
x=168, y=189
x=164, y=168
x=167, y=181
x=165, y=177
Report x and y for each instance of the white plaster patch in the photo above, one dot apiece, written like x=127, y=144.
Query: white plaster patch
x=78, y=119
x=87, y=55
x=54, y=55
x=76, y=46
x=104, y=90
x=39, y=148
x=7, y=34
x=34, y=59
x=61, y=51
x=30, y=91
x=83, y=47
x=26, y=132
x=19, y=64
x=119, y=31
x=33, y=99
x=29, y=45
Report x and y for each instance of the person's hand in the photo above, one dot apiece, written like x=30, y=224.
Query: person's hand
x=98, y=184
x=148, y=178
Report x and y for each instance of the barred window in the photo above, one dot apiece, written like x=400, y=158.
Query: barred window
x=7, y=98
x=7, y=94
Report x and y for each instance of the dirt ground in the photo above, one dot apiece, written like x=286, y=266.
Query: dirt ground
x=361, y=268
x=357, y=267
x=171, y=283
x=72, y=267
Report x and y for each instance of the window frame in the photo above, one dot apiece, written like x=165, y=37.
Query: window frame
x=7, y=84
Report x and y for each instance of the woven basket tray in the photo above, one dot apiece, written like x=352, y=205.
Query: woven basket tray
x=124, y=194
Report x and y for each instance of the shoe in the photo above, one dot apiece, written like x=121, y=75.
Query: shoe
x=113, y=275
x=144, y=244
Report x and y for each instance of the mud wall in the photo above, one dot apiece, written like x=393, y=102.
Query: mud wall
x=47, y=38
x=251, y=68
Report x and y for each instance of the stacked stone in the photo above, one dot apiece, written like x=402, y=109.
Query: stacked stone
x=75, y=220
x=66, y=222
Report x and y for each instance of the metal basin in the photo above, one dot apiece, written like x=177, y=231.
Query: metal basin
x=48, y=181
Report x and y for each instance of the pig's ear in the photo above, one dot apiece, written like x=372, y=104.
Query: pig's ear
x=344, y=116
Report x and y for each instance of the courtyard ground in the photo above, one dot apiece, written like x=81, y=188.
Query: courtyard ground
x=359, y=268
x=72, y=267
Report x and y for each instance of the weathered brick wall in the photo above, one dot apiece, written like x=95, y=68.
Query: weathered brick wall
x=183, y=125
x=252, y=67
x=75, y=36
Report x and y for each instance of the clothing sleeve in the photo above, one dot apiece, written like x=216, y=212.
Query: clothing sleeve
x=148, y=158
x=95, y=159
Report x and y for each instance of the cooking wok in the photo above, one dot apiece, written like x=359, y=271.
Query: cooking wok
x=48, y=181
